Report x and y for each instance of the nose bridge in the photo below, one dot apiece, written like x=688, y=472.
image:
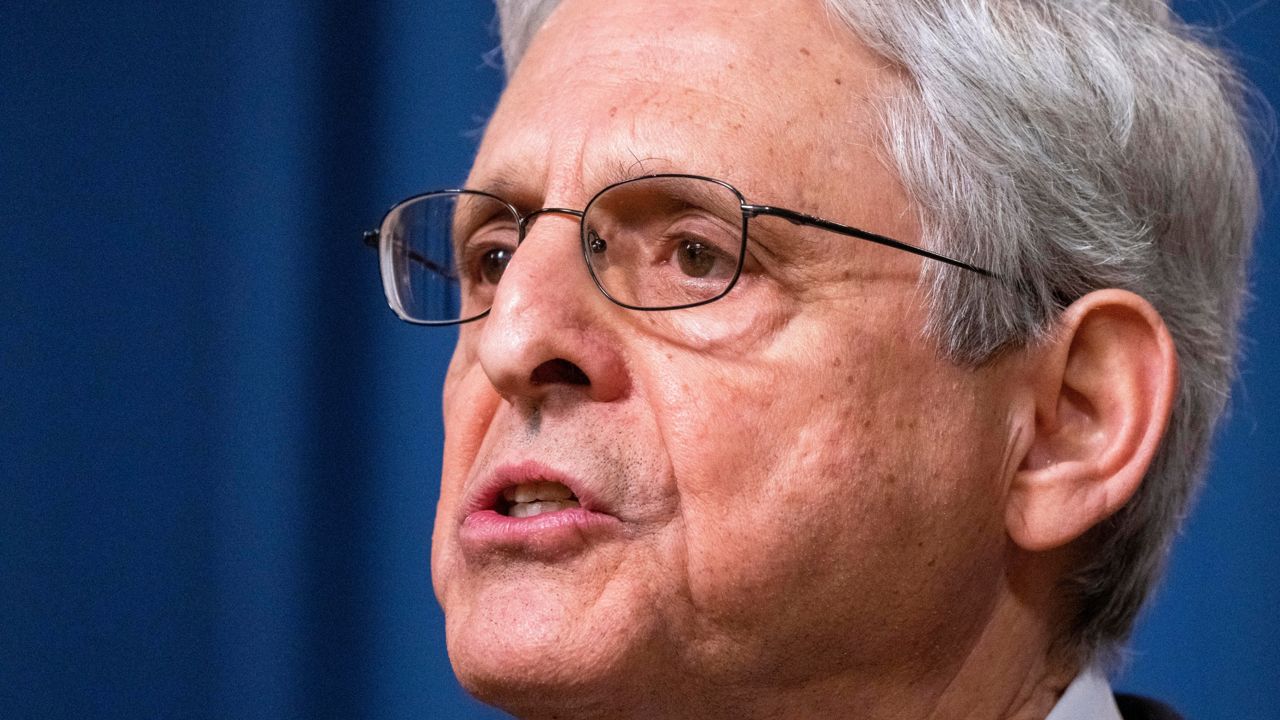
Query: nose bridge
x=527, y=220
x=542, y=268
x=561, y=236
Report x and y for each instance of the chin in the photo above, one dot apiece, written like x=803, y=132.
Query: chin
x=519, y=648
x=534, y=677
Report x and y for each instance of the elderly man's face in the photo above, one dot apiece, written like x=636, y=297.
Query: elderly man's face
x=784, y=486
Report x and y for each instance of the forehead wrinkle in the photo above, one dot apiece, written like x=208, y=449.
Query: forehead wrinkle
x=681, y=97
x=603, y=32
x=684, y=50
x=514, y=186
x=527, y=169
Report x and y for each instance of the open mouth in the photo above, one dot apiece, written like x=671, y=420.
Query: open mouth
x=534, y=512
x=530, y=499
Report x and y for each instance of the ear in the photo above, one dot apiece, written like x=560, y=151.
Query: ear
x=1103, y=389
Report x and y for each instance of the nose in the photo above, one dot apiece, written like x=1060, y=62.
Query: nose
x=549, y=330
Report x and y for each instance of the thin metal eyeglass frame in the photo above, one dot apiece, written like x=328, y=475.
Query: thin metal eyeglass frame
x=373, y=238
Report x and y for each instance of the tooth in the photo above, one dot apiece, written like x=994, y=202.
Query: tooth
x=553, y=491
x=538, y=490
x=530, y=509
x=538, y=508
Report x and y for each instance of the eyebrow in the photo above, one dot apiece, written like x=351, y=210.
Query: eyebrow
x=506, y=184
x=511, y=183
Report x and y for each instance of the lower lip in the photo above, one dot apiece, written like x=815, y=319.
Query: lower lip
x=548, y=536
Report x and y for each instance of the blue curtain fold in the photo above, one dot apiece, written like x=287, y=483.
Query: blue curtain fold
x=219, y=450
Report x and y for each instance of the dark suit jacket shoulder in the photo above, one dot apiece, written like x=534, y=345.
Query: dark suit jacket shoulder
x=1136, y=707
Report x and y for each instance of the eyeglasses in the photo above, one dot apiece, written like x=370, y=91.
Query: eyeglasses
x=658, y=242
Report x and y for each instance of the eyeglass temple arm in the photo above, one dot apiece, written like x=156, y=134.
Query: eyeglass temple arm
x=803, y=219
x=371, y=239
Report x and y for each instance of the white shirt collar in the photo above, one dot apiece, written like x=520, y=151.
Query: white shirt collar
x=1088, y=697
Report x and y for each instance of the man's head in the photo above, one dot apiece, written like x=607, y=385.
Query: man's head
x=860, y=475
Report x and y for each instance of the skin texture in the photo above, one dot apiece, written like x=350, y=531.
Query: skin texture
x=817, y=513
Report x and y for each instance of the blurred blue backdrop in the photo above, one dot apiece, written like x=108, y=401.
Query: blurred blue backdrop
x=218, y=448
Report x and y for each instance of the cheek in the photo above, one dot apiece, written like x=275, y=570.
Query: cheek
x=469, y=405
x=766, y=501
x=829, y=493
x=757, y=473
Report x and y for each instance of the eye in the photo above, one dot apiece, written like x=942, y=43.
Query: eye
x=699, y=260
x=485, y=252
x=493, y=263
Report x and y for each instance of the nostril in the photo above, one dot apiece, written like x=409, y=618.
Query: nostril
x=559, y=372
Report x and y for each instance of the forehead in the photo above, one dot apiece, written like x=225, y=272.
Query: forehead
x=760, y=97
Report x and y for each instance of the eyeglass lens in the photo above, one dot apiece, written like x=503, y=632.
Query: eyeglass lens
x=664, y=242
x=650, y=243
x=443, y=253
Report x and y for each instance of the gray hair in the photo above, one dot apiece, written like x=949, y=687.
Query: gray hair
x=1071, y=145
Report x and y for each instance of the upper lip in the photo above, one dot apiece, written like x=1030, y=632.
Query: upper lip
x=486, y=493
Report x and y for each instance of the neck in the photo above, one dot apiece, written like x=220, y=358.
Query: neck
x=1011, y=672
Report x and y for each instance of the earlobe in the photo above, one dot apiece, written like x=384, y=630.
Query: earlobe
x=1103, y=388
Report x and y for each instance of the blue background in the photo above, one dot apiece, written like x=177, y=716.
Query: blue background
x=219, y=449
